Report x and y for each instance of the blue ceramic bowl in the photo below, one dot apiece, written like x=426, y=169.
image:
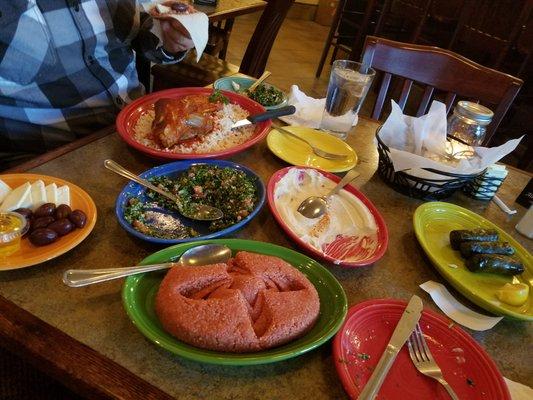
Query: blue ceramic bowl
x=173, y=170
x=244, y=83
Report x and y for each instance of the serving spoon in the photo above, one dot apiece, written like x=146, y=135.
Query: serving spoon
x=200, y=255
x=197, y=211
x=314, y=206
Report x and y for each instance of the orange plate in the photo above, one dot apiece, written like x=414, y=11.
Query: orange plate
x=31, y=255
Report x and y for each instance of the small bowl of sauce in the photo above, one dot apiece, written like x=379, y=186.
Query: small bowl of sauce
x=12, y=227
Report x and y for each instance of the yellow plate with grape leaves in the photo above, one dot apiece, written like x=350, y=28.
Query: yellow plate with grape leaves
x=432, y=224
x=297, y=152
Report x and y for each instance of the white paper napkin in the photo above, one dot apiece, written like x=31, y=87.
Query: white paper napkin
x=308, y=109
x=197, y=24
x=421, y=143
x=519, y=391
x=456, y=311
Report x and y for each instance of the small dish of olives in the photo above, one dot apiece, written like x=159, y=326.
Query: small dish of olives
x=48, y=222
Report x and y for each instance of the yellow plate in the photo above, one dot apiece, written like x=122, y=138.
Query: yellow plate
x=29, y=254
x=296, y=152
x=433, y=223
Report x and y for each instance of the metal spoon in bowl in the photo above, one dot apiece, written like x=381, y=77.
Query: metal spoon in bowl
x=314, y=206
x=196, y=211
x=200, y=255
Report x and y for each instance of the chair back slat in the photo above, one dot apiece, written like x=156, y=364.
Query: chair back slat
x=406, y=88
x=424, y=103
x=255, y=58
x=450, y=98
x=443, y=70
x=378, y=107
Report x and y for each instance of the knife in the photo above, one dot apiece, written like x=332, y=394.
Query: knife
x=403, y=330
x=198, y=121
x=253, y=119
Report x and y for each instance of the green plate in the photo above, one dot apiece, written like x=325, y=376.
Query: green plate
x=433, y=223
x=139, y=293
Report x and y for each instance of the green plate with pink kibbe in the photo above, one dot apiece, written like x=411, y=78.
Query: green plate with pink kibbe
x=139, y=293
x=433, y=222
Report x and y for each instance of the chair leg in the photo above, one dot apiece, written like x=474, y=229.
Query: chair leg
x=228, y=26
x=329, y=40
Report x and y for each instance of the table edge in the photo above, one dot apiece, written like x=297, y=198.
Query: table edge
x=77, y=366
x=62, y=150
x=236, y=12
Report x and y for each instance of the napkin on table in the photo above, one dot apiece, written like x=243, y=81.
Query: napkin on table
x=456, y=311
x=308, y=109
x=518, y=391
x=197, y=24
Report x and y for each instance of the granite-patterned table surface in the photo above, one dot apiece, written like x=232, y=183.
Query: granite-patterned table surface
x=94, y=315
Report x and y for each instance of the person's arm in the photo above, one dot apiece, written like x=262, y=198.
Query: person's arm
x=167, y=45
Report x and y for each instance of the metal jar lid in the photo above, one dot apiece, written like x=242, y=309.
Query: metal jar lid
x=473, y=111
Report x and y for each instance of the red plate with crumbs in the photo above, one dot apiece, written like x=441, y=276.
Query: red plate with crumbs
x=368, y=328
x=128, y=118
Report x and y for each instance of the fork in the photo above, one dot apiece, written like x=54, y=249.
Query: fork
x=424, y=361
x=316, y=150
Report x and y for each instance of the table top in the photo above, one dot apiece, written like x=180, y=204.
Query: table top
x=226, y=9
x=95, y=317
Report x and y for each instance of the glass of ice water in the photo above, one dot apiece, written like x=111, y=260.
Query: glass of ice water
x=348, y=85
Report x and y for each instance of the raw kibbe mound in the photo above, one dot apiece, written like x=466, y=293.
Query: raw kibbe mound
x=253, y=302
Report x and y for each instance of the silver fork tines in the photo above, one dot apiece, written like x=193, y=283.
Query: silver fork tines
x=424, y=361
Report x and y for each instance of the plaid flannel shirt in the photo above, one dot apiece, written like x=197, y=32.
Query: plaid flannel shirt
x=66, y=69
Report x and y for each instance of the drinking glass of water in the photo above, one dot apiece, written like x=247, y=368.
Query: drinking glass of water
x=348, y=85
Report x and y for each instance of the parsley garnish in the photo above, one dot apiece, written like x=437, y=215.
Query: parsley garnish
x=217, y=96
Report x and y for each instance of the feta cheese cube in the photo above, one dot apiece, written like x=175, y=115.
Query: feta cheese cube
x=63, y=195
x=38, y=194
x=19, y=197
x=51, y=193
x=4, y=190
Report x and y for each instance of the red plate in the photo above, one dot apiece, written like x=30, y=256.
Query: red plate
x=128, y=117
x=358, y=257
x=368, y=328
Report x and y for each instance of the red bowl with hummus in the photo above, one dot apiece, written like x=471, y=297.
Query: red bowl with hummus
x=351, y=234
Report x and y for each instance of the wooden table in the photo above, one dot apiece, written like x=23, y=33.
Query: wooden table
x=84, y=338
x=226, y=9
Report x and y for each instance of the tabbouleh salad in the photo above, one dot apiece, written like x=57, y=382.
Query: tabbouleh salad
x=266, y=95
x=230, y=190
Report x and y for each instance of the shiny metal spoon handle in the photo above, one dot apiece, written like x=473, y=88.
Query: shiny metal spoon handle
x=350, y=176
x=118, y=169
x=84, y=277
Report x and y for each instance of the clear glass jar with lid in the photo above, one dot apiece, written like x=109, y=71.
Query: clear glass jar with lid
x=469, y=121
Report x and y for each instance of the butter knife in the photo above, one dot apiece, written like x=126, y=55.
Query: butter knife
x=253, y=119
x=403, y=330
x=197, y=121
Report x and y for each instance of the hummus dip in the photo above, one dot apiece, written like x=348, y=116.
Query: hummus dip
x=348, y=230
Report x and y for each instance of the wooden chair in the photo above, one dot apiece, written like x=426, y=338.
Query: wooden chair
x=487, y=29
x=398, y=19
x=403, y=20
x=349, y=24
x=209, y=69
x=439, y=69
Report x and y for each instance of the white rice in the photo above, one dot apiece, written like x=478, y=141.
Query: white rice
x=221, y=138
